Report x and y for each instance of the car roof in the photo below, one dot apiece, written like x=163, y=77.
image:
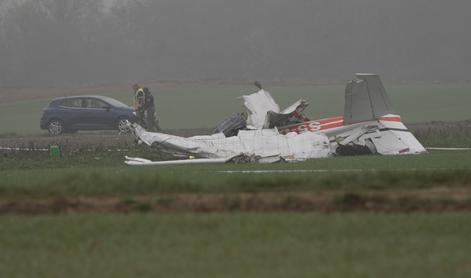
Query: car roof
x=82, y=96
x=107, y=99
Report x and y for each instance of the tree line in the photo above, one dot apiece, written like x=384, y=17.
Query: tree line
x=77, y=42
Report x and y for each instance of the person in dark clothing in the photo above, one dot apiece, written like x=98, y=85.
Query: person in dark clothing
x=151, y=121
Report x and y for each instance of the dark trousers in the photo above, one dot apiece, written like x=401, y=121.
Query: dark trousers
x=151, y=122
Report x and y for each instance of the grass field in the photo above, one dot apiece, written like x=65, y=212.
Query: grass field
x=89, y=215
x=236, y=245
x=437, y=182
x=45, y=232
x=108, y=176
x=204, y=105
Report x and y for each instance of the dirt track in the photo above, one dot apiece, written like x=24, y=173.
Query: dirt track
x=431, y=200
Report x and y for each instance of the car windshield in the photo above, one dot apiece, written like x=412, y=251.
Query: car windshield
x=114, y=102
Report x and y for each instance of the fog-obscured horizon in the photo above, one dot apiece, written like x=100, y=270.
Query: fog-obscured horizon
x=83, y=42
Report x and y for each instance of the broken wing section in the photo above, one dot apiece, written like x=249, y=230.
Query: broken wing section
x=264, y=112
x=136, y=161
x=208, y=146
x=365, y=99
x=257, y=106
x=265, y=144
x=307, y=145
x=290, y=147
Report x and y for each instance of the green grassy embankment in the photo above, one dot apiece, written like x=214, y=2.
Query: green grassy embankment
x=236, y=245
x=107, y=176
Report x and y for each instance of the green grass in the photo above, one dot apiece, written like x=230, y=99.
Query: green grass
x=236, y=245
x=443, y=134
x=21, y=117
x=109, y=177
x=195, y=105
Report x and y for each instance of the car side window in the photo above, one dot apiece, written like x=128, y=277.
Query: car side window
x=94, y=103
x=73, y=102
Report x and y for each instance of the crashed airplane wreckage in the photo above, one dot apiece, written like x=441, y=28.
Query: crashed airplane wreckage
x=264, y=133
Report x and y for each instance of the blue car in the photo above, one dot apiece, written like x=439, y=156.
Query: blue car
x=70, y=114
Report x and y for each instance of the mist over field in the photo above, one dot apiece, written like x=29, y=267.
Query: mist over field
x=72, y=202
x=83, y=42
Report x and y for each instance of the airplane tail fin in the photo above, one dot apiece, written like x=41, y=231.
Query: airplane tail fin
x=365, y=99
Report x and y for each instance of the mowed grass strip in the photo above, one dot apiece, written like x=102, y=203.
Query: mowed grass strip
x=76, y=179
x=236, y=245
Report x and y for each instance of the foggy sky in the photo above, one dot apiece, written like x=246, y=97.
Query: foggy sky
x=80, y=42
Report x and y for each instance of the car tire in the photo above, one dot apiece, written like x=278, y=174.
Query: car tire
x=122, y=125
x=55, y=127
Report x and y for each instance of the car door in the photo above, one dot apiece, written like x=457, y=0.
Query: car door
x=98, y=114
x=69, y=111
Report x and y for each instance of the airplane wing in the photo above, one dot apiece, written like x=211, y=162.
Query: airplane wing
x=205, y=145
x=365, y=99
x=266, y=145
x=136, y=161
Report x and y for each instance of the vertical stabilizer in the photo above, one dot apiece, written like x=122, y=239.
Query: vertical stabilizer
x=365, y=99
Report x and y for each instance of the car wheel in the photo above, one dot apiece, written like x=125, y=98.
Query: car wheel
x=55, y=127
x=123, y=125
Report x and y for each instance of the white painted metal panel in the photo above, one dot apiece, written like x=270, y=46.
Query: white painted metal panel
x=257, y=106
x=264, y=143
